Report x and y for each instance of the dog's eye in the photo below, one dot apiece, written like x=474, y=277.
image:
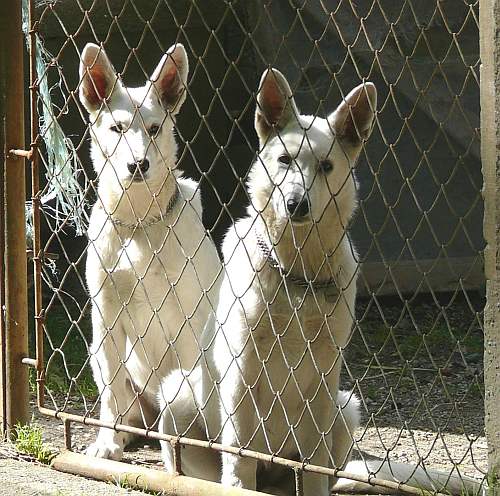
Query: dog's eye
x=117, y=128
x=285, y=159
x=153, y=130
x=325, y=166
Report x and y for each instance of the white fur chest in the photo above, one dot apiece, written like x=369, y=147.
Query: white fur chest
x=133, y=264
x=297, y=328
x=286, y=336
x=279, y=306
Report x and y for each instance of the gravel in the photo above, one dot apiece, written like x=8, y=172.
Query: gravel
x=20, y=478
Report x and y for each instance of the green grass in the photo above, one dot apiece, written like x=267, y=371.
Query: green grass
x=127, y=482
x=29, y=441
x=493, y=484
x=66, y=340
x=124, y=481
x=422, y=332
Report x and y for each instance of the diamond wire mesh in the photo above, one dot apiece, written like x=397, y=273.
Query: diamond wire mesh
x=414, y=357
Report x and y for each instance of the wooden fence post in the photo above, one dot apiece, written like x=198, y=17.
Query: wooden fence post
x=489, y=21
x=14, y=345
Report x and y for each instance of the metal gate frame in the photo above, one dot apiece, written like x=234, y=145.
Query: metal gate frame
x=13, y=267
x=13, y=263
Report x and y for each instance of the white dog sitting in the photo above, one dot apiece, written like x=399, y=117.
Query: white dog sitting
x=269, y=380
x=287, y=299
x=152, y=271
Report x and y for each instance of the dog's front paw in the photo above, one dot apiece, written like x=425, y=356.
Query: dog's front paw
x=110, y=450
x=231, y=481
x=239, y=472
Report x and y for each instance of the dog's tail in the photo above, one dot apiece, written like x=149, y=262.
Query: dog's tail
x=424, y=479
x=417, y=476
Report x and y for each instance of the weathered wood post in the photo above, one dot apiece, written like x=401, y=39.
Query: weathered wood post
x=490, y=150
x=14, y=345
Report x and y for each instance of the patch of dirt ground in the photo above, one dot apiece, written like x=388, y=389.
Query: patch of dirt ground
x=21, y=478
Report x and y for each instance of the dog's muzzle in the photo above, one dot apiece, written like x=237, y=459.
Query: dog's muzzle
x=138, y=169
x=298, y=208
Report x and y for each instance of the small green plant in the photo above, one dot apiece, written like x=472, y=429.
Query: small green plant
x=127, y=482
x=493, y=484
x=122, y=481
x=29, y=442
x=32, y=379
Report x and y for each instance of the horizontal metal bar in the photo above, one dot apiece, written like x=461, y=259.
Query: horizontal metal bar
x=30, y=362
x=400, y=488
x=27, y=154
x=44, y=255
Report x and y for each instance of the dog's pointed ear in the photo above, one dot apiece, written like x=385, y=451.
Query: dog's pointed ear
x=275, y=104
x=353, y=119
x=97, y=77
x=170, y=78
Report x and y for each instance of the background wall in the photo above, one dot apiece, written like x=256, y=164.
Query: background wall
x=419, y=224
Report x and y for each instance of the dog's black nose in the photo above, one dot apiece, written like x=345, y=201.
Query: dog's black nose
x=141, y=165
x=297, y=208
x=144, y=165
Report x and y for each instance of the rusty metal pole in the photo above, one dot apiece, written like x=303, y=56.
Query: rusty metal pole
x=3, y=340
x=15, y=382
x=489, y=22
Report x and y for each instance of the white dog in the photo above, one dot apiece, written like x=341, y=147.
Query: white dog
x=152, y=272
x=270, y=381
x=287, y=299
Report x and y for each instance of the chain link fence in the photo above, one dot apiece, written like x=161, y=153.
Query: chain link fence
x=127, y=298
